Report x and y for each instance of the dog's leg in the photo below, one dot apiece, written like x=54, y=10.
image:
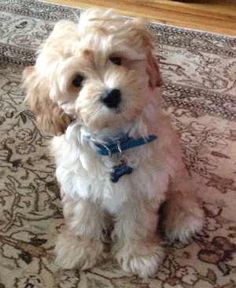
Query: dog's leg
x=80, y=244
x=182, y=215
x=136, y=246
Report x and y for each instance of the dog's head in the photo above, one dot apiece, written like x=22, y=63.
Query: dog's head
x=98, y=71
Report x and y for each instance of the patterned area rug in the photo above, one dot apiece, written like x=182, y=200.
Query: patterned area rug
x=199, y=72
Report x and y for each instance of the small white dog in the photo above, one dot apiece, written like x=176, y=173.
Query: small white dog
x=96, y=87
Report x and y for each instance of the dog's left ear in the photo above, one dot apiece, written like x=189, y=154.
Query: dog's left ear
x=153, y=70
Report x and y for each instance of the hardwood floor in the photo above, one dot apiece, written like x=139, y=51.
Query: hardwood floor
x=209, y=15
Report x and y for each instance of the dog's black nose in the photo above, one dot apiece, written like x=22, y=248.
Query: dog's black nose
x=112, y=98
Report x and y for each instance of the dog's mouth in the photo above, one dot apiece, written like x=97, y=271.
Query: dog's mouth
x=118, y=110
x=98, y=116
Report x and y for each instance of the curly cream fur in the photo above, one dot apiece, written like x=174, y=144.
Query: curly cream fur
x=91, y=201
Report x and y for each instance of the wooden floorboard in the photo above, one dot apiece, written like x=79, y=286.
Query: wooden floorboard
x=210, y=15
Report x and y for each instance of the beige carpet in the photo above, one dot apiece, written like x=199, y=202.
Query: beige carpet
x=199, y=72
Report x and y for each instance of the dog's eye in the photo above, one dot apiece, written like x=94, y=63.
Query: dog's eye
x=116, y=60
x=77, y=82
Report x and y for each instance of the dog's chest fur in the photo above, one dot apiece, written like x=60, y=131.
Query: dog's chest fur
x=82, y=172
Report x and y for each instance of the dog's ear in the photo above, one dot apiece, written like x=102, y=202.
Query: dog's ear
x=49, y=116
x=153, y=70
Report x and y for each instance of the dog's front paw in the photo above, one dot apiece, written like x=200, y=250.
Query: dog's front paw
x=75, y=252
x=184, y=225
x=142, y=260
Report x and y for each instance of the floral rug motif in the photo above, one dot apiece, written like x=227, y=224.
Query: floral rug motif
x=199, y=73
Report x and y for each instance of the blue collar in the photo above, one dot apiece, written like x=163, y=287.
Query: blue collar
x=120, y=144
x=123, y=143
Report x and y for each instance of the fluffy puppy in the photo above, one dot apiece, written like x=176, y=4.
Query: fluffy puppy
x=96, y=87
